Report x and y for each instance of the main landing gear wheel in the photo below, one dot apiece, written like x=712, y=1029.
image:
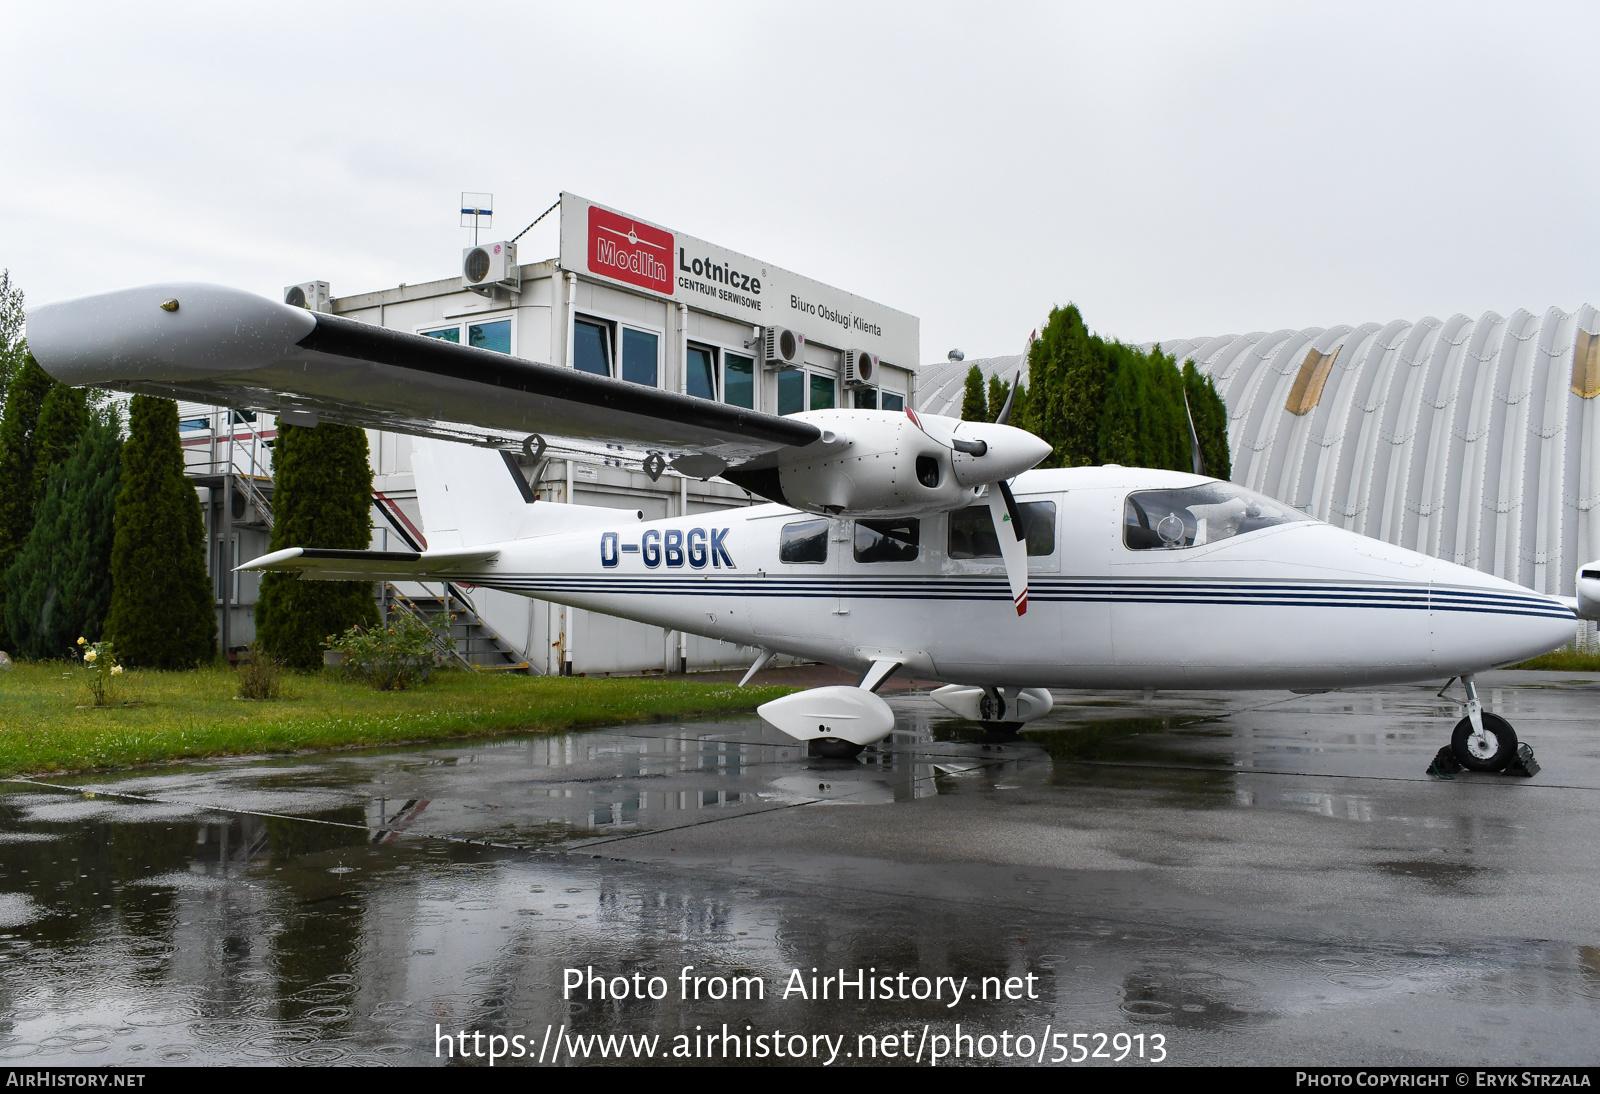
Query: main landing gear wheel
x=1491, y=752
x=837, y=748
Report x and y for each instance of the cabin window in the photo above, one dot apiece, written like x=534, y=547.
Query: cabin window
x=1156, y=520
x=806, y=541
x=972, y=532
x=887, y=540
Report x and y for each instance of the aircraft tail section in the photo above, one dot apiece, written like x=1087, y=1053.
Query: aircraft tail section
x=471, y=496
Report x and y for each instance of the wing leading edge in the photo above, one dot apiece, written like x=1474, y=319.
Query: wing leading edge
x=218, y=345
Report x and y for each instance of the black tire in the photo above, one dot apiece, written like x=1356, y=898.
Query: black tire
x=836, y=748
x=1494, y=726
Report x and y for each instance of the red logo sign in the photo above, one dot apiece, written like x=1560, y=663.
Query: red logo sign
x=628, y=251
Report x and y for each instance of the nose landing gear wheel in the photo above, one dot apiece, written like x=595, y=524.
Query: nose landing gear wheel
x=836, y=748
x=1492, y=752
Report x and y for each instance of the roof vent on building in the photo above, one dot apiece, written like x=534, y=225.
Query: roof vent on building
x=860, y=368
x=955, y=355
x=311, y=295
x=782, y=346
x=489, y=266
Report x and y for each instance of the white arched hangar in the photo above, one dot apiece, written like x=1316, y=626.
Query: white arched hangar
x=1470, y=440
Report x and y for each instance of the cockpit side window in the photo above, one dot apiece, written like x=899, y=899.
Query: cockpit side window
x=805, y=541
x=887, y=540
x=1156, y=520
x=972, y=530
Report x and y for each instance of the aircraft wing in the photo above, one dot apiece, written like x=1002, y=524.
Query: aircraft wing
x=222, y=346
x=329, y=564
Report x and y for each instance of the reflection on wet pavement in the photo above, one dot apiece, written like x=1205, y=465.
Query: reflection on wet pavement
x=1258, y=877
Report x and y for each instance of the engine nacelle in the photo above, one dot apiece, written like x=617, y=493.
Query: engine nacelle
x=1588, y=590
x=886, y=464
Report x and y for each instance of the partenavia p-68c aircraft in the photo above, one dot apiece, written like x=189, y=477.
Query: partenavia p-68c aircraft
x=891, y=541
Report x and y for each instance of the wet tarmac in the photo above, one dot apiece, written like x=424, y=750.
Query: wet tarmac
x=1249, y=878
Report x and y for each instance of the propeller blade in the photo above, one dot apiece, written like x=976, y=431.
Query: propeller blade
x=1194, y=439
x=1004, y=417
x=1013, y=539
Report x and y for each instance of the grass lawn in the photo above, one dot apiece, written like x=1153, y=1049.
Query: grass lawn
x=1564, y=660
x=47, y=724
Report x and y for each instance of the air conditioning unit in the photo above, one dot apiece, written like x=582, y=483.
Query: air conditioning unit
x=489, y=266
x=860, y=368
x=781, y=346
x=311, y=295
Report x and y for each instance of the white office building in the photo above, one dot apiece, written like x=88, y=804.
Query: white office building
x=625, y=298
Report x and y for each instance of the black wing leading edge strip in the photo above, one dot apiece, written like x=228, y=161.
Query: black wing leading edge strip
x=341, y=337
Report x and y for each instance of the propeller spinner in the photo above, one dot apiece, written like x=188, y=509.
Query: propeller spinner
x=992, y=453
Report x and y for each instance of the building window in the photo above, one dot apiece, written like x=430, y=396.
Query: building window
x=189, y=424
x=595, y=350
x=739, y=380
x=701, y=381
x=791, y=391
x=822, y=389
x=494, y=336
x=891, y=401
x=866, y=398
x=639, y=360
x=591, y=347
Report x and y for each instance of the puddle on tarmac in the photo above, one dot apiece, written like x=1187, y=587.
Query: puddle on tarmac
x=338, y=908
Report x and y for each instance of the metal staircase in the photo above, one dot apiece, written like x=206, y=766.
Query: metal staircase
x=475, y=644
x=472, y=643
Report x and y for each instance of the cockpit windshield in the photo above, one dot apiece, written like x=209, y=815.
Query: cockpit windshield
x=1155, y=520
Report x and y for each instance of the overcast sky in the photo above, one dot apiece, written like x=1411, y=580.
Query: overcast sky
x=1176, y=170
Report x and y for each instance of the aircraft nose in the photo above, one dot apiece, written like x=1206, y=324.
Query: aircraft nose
x=1481, y=621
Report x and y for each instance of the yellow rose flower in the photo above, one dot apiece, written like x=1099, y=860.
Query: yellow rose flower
x=80, y=641
x=90, y=656
x=116, y=670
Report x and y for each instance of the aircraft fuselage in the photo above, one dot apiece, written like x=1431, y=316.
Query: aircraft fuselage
x=1300, y=604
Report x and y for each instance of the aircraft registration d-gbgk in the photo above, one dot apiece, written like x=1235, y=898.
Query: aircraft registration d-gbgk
x=889, y=541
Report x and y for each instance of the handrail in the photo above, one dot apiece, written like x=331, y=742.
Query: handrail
x=444, y=644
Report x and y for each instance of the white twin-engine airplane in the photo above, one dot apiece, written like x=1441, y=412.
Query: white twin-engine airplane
x=891, y=541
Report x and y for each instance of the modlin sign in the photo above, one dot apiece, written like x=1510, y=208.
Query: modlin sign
x=602, y=243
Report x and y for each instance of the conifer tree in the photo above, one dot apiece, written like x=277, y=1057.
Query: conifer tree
x=973, y=406
x=1099, y=401
x=322, y=497
x=60, y=581
x=998, y=390
x=25, y=399
x=62, y=419
x=163, y=612
x=13, y=347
